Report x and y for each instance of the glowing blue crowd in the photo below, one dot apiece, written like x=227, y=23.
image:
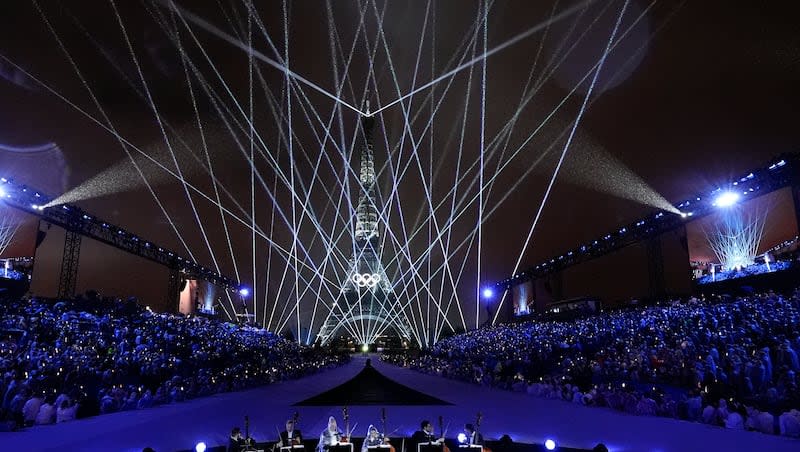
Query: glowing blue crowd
x=70, y=359
x=727, y=362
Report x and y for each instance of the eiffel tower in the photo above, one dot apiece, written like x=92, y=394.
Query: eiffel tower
x=367, y=301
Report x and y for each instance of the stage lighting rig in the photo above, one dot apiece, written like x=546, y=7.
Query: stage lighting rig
x=727, y=199
x=72, y=218
x=782, y=171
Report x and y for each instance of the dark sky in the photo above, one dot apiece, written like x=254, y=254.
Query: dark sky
x=702, y=91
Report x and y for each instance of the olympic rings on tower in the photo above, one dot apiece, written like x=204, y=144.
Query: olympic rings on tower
x=366, y=279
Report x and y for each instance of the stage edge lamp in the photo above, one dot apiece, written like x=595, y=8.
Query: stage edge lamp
x=726, y=199
x=200, y=447
x=549, y=444
x=462, y=438
x=488, y=292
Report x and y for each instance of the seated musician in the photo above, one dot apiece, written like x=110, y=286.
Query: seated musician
x=331, y=436
x=290, y=436
x=425, y=435
x=374, y=438
x=473, y=437
x=236, y=442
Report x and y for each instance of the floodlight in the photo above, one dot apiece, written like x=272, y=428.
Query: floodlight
x=462, y=438
x=726, y=199
x=549, y=444
x=488, y=293
x=200, y=447
x=244, y=291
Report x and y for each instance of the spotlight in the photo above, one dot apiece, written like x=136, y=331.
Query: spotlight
x=200, y=447
x=488, y=293
x=244, y=291
x=726, y=199
x=462, y=438
x=549, y=444
x=365, y=348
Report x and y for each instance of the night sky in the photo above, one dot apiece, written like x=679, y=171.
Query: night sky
x=696, y=93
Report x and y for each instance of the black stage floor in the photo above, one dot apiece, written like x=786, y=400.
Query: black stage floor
x=370, y=387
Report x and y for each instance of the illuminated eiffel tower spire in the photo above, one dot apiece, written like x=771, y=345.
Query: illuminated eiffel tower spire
x=367, y=296
x=367, y=212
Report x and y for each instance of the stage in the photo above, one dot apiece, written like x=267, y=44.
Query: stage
x=526, y=419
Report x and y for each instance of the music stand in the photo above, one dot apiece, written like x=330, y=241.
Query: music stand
x=293, y=447
x=470, y=447
x=430, y=447
x=379, y=447
x=249, y=446
x=341, y=447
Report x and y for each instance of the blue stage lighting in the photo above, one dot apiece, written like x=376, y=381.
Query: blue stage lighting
x=488, y=293
x=777, y=165
x=200, y=447
x=462, y=438
x=244, y=291
x=726, y=199
x=549, y=444
x=2, y=193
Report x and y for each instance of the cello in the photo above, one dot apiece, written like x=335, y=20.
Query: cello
x=383, y=431
x=296, y=440
x=478, y=420
x=346, y=416
x=441, y=435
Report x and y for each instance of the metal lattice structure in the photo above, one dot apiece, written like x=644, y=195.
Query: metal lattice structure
x=68, y=278
x=367, y=304
x=779, y=173
x=79, y=224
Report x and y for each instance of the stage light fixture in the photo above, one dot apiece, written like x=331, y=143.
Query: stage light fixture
x=549, y=444
x=200, y=447
x=726, y=199
x=488, y=293
x=365, y=348
x=462, y=438
x=244, y=291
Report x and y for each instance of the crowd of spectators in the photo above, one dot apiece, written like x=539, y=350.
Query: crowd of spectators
x=61, y=360
x=724, y=361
